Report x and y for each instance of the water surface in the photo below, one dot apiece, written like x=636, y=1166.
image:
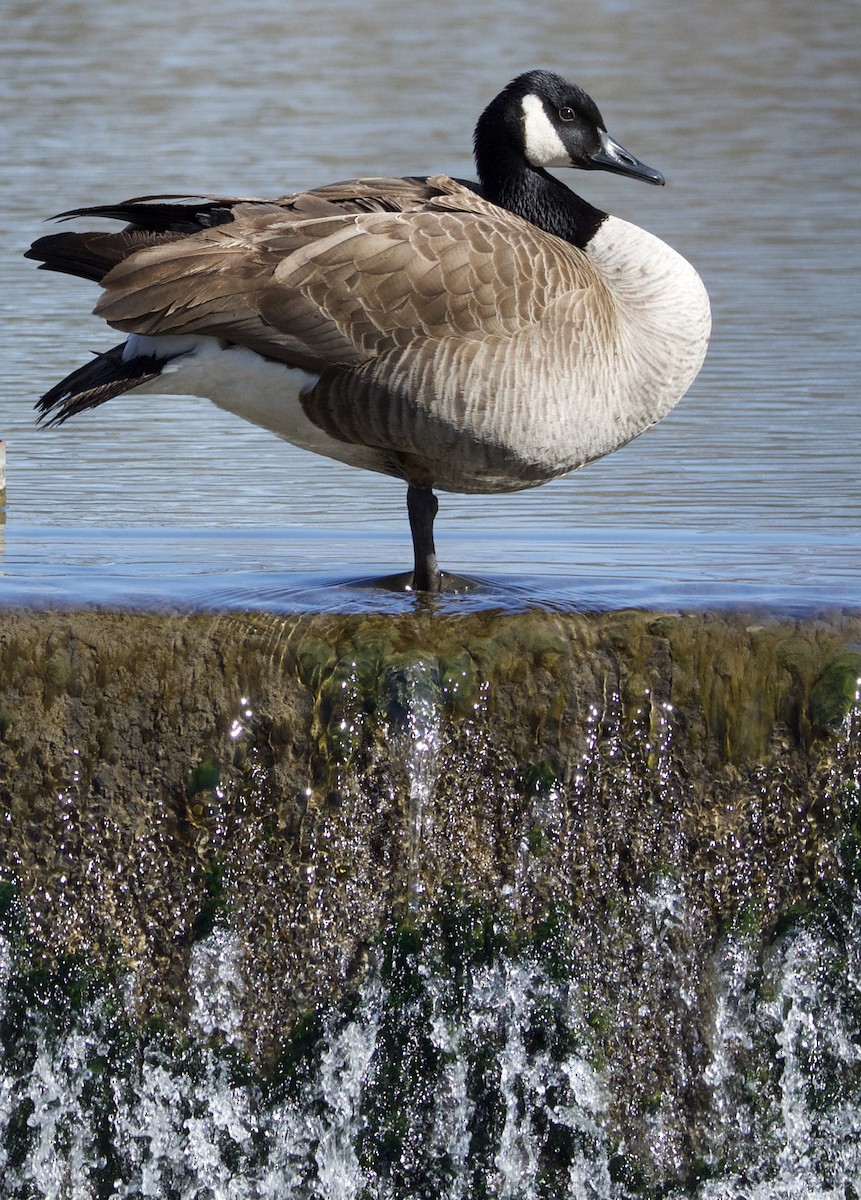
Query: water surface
x=748, y=491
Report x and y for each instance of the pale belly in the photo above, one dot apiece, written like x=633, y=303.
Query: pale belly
x=239, y=381
x=269, y=394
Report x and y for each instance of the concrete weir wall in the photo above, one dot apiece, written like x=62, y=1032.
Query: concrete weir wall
x=302, y=780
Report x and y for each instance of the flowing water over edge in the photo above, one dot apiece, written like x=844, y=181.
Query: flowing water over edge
x=438, y=956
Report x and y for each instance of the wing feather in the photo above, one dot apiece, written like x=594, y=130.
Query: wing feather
x=434, y=302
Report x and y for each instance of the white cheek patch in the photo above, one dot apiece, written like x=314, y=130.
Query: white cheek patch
x=542, y=144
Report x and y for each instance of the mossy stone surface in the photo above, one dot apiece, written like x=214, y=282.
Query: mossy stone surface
x=836, y=691
x=570, y=758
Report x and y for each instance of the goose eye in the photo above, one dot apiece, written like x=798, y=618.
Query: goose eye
x=566, y=114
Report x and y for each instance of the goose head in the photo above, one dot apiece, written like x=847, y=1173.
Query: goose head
x=541, y=120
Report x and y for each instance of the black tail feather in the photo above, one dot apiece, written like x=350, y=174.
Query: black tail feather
x=151, y=221
x=90, y=255
x=94, y=383
x=162, y=214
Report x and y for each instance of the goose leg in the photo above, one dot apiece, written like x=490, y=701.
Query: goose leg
x=422, y=507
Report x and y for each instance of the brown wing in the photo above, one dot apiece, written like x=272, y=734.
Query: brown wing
x=206, y=279
x=424, y=304
x=347, y=286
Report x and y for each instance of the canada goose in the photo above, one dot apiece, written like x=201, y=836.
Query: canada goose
x=463, y=337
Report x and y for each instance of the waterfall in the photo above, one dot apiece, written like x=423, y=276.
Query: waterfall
x=392, y=937
x=491, y=1084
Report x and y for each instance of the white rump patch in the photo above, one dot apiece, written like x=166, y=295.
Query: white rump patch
x=542, y=144
x=234, y=378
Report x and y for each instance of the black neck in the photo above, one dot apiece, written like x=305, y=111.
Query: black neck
x=537, y=197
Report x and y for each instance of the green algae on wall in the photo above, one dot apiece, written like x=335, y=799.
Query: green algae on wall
x=618, y=794
x=138, y=750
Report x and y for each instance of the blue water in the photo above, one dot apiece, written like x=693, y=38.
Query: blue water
x=183, y=569
x=749, y=491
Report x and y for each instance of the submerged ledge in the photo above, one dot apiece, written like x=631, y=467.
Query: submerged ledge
x=81, y=681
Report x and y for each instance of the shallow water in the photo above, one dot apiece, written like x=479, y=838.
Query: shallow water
x=749, y=491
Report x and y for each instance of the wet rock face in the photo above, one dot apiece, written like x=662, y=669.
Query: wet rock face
x=616, y=794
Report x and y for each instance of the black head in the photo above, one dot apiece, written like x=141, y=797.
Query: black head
x=545, y=121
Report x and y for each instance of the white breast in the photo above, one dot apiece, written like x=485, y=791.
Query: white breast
x=664, y=322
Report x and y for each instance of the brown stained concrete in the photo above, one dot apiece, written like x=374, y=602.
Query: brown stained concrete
x=159, y=775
